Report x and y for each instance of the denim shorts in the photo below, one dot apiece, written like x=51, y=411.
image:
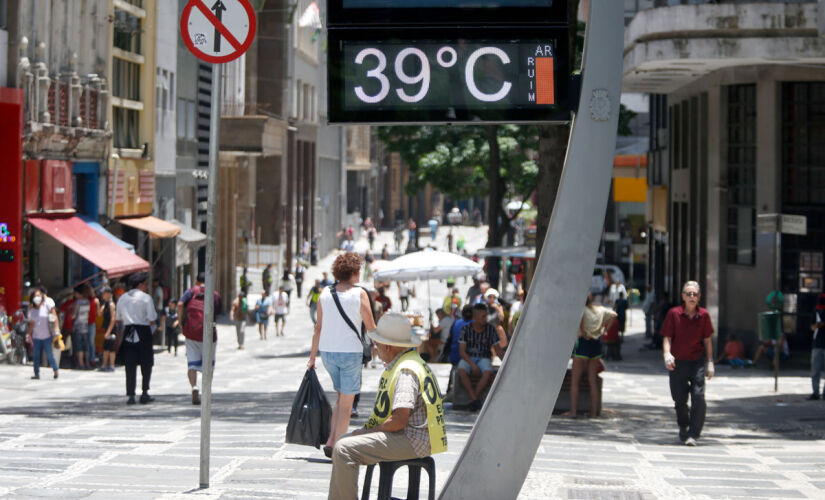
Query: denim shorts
x=483, y=364
x=345, y=370
x=80, y=339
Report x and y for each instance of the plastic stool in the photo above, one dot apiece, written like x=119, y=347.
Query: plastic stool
x=387, y=470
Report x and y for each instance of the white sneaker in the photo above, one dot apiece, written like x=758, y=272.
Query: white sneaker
x=690, y=442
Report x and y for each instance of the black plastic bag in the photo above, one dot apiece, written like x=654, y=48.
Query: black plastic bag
x=311, y=414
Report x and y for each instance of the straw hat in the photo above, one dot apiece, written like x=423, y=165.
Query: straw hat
x=395, y=329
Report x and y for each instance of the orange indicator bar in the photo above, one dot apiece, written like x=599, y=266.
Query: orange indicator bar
x=545, y=84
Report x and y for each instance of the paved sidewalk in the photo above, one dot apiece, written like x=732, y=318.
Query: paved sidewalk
x=76, y=438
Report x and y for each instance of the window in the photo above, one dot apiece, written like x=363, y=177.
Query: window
x=306, y=38
x=803, y=143
x=125, y=79
x=171, y=91
x=181, y=127
x=191, y=120
x=125, y=129
x=741, y=156
x=3, y=14
x=127, y=31
x=186, y=119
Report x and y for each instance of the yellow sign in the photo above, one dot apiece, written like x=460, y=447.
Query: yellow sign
x=629, y=189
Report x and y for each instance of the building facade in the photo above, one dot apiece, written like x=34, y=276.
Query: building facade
x=736, y=133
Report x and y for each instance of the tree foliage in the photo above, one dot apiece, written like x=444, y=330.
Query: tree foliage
x=456, y=159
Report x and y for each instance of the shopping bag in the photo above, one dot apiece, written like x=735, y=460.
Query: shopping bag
x=311, y=414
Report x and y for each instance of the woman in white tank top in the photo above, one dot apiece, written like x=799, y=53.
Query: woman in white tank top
x=340, y=345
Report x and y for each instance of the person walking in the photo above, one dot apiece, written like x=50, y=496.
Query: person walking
x=42, y=315
x=649, y=307
x=588, y=353
x=287, y=284
x=312, y=301
x=818, y=346
x=244, y=281
x=404, y=295
x=80, y=326
x=299, y=277
x=192, y=308
x=263, y=308
x=94, y=306
x=108, y=311
x=237, y=315
x=687, y=349
x=281, y=310
x=266, y=278
x=341, y=307
x=137, y=315
x=170, y=325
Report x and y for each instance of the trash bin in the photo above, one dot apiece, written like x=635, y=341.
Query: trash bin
x=770, y=325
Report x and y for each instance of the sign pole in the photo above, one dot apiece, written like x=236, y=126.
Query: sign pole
x=209, y=302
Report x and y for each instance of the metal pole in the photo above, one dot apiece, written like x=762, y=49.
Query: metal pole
x=208, y=302
x=493, y=463
x=778, y=287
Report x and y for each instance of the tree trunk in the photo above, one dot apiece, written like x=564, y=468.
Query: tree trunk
x=552, y=150
x=496, y=223
x=553, y=145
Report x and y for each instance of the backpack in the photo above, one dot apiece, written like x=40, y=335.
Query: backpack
x=193, y=324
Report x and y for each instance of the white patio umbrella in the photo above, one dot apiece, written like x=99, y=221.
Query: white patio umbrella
x=426, y=265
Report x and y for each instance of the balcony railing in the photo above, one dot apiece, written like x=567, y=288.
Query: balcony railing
x=63, y=101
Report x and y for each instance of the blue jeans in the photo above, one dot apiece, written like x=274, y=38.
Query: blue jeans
x=90, y=349
x=43, y=345
x=817, y=366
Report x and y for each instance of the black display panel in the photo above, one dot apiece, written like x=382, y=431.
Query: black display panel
x=440, y=12
x=425, y=76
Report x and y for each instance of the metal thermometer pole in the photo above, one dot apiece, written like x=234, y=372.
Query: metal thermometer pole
x=208, y=299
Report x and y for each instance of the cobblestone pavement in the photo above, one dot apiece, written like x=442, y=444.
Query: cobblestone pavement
x=76, y=438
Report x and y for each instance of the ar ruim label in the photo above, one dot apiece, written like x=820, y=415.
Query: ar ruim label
x=541, y=77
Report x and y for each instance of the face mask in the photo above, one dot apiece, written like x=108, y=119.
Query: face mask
x=37, y=300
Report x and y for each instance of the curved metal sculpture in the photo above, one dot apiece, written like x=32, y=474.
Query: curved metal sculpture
x=499, y=454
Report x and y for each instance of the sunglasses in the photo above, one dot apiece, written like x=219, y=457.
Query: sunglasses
x=691, y=294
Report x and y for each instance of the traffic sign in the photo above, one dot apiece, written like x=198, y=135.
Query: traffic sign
x=218, y=31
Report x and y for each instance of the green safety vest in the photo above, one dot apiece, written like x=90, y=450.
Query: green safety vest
x=430, y=393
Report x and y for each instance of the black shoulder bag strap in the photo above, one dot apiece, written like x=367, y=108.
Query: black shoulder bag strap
x=361, y=335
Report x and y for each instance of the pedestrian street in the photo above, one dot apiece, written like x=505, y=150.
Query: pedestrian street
x=77, y=438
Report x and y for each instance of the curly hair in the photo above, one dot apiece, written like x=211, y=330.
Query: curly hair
x=345, y=266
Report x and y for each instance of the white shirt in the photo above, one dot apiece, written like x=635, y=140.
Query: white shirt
x=281, y=303
x=516, y=307
x=403, y=290
x=40, y=316
x=136, y=308
x=336, y=335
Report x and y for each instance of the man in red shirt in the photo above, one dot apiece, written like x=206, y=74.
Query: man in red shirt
x=688, y=354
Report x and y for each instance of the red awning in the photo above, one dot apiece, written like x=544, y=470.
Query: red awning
x=91, y=245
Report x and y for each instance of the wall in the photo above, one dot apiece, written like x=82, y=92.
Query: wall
x=64, y=27
x=735, y=293
x=165, y=95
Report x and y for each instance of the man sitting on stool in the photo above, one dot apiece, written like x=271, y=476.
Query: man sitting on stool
x=407, y=421
x=475, y=343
